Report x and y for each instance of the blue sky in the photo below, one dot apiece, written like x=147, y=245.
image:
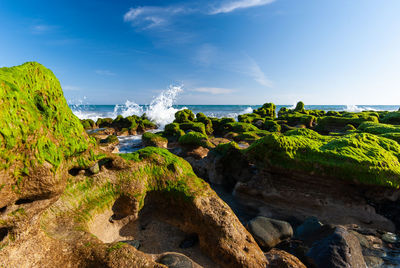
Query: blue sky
x=221, y=51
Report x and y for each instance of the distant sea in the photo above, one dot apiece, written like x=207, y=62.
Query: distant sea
x=97, y=111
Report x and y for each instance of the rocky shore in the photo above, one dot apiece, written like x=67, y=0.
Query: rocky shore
x=287, y=188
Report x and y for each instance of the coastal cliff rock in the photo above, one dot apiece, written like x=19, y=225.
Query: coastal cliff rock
x=58, y=212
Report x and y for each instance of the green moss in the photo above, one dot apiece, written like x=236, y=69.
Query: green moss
x=111, y=139
x=36, y=124
x=129, y=122
x=88, y=123
x=360, y=157
x=104, y=122
x=151, y=139
x=249, y=118
x=194, y=126
x=300, y=107
x=247, y=137
x=195, y=139
x=296, y=118
x=200, y=117
x=378, y=128
x=173, y=131
x=334, y=123
x=267, y=110
x=239, y=127
x=392, y=118
x=184, y=116
x=272, y=126
x=115, y=246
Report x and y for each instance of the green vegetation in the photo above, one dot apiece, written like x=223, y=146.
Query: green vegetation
x=173, y=131
x=184, y=116
x=193, y=126
x=392, y=118
x=360, y=157
x=272, y=126
x=378, y=128
x=151, y=139
x=335, y=123
x=267, y=110
x=200, y=117
x=195, y=139
x=239, y=127
x=88, y=123
x=111, y=139
x=36, y=124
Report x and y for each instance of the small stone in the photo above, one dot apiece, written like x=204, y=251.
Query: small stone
x=310, y=226
x=269, y=232
x=95, y=168
x=175, y=260
x=389, y=237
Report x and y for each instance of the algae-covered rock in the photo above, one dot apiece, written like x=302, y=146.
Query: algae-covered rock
x=392, y=118
x=267, y=110
x=239, y=127
x=193, y=126
x=359, y=157
x=88, y=123
x=152, y=139
x=200, y=117
x=335, y=123
x=378, y=128
x=184, y=116
x=173, y=131
x=195, y=139
x=272, y=126
x=104, y=122
x=300, y=107
x=38, y=133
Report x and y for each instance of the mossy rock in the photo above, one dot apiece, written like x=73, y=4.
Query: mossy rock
x=173, y=131
x=300, y=107
x=248, y=118
x=378, y=128
x=296, y=118
x=336, y=124
x=272, y=126
x=151, y=139
x=248, y=137
x=360, y=157
x=316, y=113
x=392, y=118
x=195, y=139
x=145, y=124
x=184, y=116
x=88, y=123
x=38, y=131
x=267, y=110
x=111, y=139
x=200, y=117
x=193, y=126
x=104, y=122
x=120, y=123
x=239, y=127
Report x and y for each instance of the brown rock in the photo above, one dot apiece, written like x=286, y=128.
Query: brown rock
x=281, y=259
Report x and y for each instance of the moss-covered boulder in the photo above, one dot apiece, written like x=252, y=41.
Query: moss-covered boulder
x=392, y=118
x=272, y=126
x=296, y=118
x=300, y=107
x=193, y=126
x=249, y=118
x=38, y=133
x=184, y=116
x=121, y=122
x=104, y=122
x=152, y=139
x=200, y=117
x=267, y=110
x=361, y=157
x=378, y=128
x=195, y=139
x=173, y=131
x=88, y=123
x=239, y=127
x=337, y=124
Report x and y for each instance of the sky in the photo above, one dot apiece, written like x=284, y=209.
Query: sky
x=219, y=51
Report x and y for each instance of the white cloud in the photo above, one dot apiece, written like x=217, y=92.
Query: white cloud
x=70, y=88
x=104, y=72
x=213, y=90
x=229, y=6
x=254, y=70
x=147, y=17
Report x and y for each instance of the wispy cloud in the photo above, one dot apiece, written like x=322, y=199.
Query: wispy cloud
x=248, y=66
x=42, y=29
x=104, y=72
x=213, y=90
x=155, y=17
x=70, y=88
x=148, y=17
x=205, y=55
x=229, y=6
